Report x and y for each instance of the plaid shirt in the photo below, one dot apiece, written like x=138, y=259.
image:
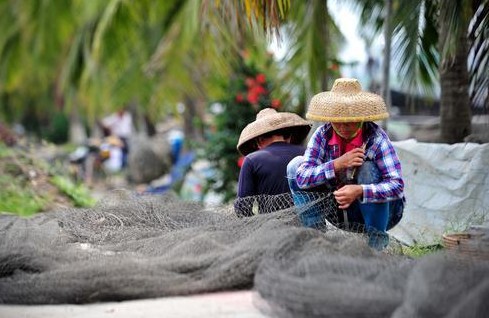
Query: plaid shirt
x=318, y=168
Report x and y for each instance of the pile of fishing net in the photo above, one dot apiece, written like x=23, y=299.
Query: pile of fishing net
x=133, y=247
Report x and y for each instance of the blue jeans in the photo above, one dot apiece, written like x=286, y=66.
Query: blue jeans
x=373, y=218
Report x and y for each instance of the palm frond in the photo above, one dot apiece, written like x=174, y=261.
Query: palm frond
x=479, y=56
x=313, y=42
x=415, y=46
x=102, y=26
x=268, y=14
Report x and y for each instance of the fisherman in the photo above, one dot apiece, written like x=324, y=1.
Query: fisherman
x=268, y=144
x=352, y=159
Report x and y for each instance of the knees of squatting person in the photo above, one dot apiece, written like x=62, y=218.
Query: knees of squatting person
x=374, y=219
x=378, y=217
x=312, y=213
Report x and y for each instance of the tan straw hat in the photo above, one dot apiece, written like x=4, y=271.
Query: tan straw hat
x=346, y=102
x=268, y=120
x=114, y=141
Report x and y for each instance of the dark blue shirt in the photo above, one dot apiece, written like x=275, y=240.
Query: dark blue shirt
x=265, y=171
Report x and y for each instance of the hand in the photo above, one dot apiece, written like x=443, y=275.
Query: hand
x=350, y=159
x=347, y=194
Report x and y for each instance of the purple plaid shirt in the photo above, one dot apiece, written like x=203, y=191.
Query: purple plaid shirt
x=317, y=167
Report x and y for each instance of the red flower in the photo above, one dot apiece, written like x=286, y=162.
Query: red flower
x=261, y=79
x=258, y=90
x=239, y=98
x=253, y=97
x=334, y=67
x=276, y=103
x=241, y=161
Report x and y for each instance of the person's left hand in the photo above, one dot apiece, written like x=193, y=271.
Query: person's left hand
x=347, y=194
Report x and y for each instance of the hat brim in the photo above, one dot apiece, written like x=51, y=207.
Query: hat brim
x=298, y=134
x=334, y=119
x=347, y=107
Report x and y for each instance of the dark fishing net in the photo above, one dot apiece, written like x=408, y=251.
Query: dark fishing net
x=314, y=209
x=132, y=247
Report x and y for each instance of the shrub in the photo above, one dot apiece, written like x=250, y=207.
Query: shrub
x=248, y=93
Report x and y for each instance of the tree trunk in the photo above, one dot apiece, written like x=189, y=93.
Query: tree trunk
x=386, y=66
x=322, y=10
x=78, y=135
x=191, y=127
x=455, y=112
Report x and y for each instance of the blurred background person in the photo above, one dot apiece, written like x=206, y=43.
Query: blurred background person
x=119, y=124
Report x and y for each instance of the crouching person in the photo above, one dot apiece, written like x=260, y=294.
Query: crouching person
x=268, y=144
x=352, y=163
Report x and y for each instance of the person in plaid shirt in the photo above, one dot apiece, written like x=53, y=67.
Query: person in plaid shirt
x=352, y=159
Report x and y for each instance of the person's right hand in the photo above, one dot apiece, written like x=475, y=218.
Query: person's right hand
x=350, y=159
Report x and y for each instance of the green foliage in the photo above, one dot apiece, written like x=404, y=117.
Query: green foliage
x=58, y=132
x=417, y=251
x=27, y=185
x=14, y=198
x=5, y=151
x=249, y=91
x=78, y=193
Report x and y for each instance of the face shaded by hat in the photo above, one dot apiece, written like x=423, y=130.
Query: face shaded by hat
x=346, y=102
x=269, y=120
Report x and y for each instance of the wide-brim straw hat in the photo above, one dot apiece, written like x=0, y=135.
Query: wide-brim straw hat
x=268, y=120
x=347, y=102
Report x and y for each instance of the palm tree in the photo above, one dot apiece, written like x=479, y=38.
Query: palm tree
x=478, y=55
x=430, y=46
x=455, y=111
x=307, y=30
x=95, y=56
x=30, y=47
x=386, y=67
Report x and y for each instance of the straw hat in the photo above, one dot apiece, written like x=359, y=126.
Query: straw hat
x=268, y=120
x=114, y=141
x=346, y=102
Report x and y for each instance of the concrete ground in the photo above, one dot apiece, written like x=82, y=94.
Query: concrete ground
x=236, y=304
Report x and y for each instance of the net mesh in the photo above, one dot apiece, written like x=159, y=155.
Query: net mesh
x=132, y=247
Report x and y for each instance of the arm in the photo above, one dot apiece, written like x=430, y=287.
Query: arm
x=392, y=185
x=246, y=188
x=317, y=168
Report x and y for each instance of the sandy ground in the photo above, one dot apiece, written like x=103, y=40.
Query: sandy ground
x=238, y=304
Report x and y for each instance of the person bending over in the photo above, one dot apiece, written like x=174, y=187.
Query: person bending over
x=268, y=144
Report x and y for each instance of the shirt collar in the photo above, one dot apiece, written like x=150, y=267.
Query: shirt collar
x=356, y=142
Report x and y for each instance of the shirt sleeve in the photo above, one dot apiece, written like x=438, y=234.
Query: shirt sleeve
x=316, y=169
x=392, y=185
x=246, y=185
x=246, y=188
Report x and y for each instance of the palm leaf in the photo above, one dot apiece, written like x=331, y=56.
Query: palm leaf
x=414, y=46
x=313, y=41
x=479, y=56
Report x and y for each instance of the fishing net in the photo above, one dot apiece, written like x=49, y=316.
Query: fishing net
x=133, y=247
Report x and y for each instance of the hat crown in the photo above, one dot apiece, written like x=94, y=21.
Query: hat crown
x=346, y=86
x=347, y=102
x=269, y=120
x=265, y=113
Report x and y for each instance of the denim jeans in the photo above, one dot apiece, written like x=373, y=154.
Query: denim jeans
x=372, y=218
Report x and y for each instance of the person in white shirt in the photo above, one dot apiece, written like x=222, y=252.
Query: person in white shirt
x=120, y=124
